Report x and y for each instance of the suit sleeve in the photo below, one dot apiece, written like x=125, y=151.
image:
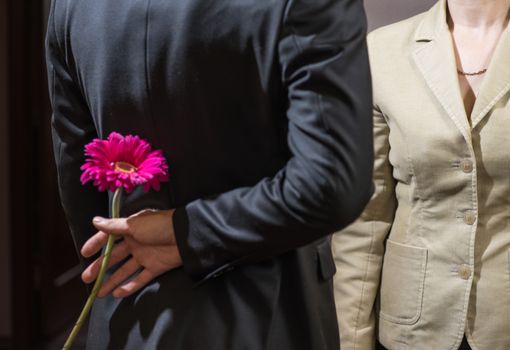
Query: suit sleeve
x=358, y=252
x=326, y=183
x=72, y=128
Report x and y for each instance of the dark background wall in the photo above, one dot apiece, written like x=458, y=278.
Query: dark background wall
x=5, y=329
x=382, y=12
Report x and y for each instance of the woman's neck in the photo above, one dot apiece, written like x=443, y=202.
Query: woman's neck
x=476, y=27
x=479, y=15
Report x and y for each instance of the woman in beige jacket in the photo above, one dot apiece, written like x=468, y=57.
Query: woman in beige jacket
x=427, y=266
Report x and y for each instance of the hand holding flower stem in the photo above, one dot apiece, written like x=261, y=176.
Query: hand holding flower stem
x=116, y=163
x=99, y=281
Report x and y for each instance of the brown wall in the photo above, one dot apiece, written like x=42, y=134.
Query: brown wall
x=382, y=12
x=5, y=300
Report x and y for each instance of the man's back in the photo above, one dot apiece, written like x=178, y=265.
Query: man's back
x=266, y=127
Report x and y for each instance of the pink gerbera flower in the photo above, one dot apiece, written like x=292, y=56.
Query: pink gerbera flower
x=123, y=162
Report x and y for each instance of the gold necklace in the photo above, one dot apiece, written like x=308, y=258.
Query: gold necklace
x=480, y=72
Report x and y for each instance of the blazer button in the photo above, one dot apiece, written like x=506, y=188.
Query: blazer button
x=469, y=217
x=467, y=166
x=464, y=272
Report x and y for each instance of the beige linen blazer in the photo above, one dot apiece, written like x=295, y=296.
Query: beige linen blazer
x=429, y=259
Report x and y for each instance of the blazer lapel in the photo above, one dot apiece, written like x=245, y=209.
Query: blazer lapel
x=435, y=58
x=497, y=81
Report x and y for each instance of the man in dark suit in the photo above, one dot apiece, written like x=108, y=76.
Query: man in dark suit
x=263, y=108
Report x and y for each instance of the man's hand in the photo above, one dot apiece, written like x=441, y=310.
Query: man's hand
x=149, y=241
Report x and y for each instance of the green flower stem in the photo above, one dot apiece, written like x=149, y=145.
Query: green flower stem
x=100, y=277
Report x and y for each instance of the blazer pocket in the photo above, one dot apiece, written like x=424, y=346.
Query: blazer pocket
x=327, y=268
x=402, y=283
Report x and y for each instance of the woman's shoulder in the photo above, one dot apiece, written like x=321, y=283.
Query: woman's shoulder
x=390, y=48
x=395, y=35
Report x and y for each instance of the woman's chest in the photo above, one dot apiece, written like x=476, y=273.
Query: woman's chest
x=441, y=151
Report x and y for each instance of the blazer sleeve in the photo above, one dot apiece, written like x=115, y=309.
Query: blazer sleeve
x=358, y=252
x=72, y=127
x=326, y=183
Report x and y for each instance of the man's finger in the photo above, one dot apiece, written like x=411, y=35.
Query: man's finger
x=112, y=226
x=120, y=252
x=94, y=244
x=122, y=274
x=141, y=280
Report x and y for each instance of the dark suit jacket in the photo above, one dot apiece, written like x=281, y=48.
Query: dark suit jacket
x=263, y=108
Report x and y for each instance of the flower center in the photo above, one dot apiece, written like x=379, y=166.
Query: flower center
x=124, y=167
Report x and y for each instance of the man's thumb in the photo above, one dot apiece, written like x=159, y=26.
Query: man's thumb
x=111, y=226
